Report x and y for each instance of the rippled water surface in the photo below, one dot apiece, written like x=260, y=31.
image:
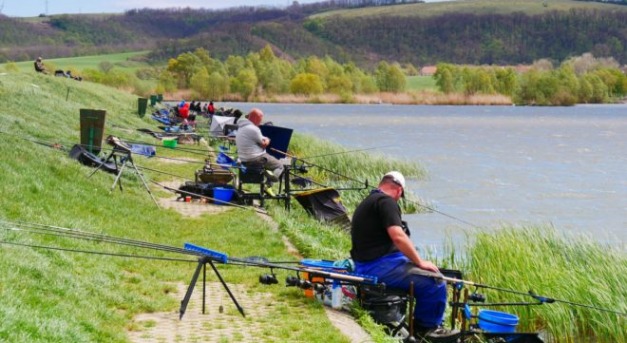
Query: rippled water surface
x=489, y=165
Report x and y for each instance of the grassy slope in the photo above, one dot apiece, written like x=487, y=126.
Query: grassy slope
x=120, y=60
x=530, y=7
x=51, y=296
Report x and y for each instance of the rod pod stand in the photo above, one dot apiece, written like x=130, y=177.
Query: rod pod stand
x=123, y=152
x=202, y=265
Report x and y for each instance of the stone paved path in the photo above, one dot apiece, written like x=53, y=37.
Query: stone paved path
x=221, y=322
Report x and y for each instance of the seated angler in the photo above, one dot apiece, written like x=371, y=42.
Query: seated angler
x=380, y=247
x=251, y=145
x=39, y=66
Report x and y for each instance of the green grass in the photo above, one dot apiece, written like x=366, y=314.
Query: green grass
x=573, y=269
x=529, y=7
x=51, y=296
x=119, y=60
x=420, y=83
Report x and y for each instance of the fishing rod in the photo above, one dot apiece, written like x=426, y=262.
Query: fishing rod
x=58, y=231
x=42, y=229
x=365, y=183
x=474, y=226
x=205, y=256
x=541, y=299
x=190, y=150
x=164, y=173
x=169, y=259
x=347, y=152
x=54, y=145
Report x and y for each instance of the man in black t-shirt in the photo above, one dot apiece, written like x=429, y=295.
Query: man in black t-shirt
x=380, y=247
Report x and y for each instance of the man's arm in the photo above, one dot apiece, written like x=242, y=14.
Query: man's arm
x=405, y=245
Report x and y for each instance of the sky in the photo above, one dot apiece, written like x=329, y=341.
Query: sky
x=33, y=8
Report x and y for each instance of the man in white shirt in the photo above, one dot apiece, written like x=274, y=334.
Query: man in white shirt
x=251, y=145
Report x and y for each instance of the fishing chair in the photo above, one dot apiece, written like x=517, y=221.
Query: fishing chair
x=252, y=174
x=388, y=307
x=393, y=307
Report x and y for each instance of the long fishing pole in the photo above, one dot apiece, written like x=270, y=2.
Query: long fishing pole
x=323, y=168
x=190, y=150
x=474, y=226
x=43, y=229
x=541, y=299
x=91, y=252
x=164, y=173
x=346, y=152
x=54, y=145
x=78, y=234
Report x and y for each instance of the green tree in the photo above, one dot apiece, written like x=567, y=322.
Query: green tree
x=218, y=86
x=184, y=66
x=600, y=93
x=200, y=84
x=234, y=64
x=266, y=54
x=445, y=77
x=506, y=81
x=390, y=78
x=339, y=84
x=306, y=84
x=585, y=91
x=245, y=83
x=167, y=82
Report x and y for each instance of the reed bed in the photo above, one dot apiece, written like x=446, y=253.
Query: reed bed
x=553, y=265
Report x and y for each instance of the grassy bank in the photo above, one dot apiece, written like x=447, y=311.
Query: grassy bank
x=55, y=296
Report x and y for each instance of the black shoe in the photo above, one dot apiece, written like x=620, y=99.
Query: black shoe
x=437, y=335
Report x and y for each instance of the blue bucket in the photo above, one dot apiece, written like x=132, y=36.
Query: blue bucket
x=497, y=322
x=223, y=194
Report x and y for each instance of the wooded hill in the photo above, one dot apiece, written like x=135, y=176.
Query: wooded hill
x=474, y=32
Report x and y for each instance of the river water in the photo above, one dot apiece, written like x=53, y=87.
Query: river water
x=490, y=165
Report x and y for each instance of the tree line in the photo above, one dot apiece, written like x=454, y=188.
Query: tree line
x=263, y=73
x=581, y=79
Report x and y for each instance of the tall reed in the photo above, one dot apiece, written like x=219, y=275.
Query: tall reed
x=565, y=268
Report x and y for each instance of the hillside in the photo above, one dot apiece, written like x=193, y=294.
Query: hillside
x=476, y=7
x=473, y=32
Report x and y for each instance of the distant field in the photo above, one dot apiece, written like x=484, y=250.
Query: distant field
x=419, y=83
x=120, y=60
x=530, y=7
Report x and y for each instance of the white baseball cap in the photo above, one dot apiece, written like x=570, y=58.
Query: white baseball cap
x=397, y=177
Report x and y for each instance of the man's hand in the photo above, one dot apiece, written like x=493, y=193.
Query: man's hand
x=428, y=265
x=265, y=141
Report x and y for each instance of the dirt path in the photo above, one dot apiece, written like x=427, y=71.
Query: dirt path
x=221, y=322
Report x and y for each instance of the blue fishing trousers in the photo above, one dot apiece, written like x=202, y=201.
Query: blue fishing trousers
x=395, y=270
